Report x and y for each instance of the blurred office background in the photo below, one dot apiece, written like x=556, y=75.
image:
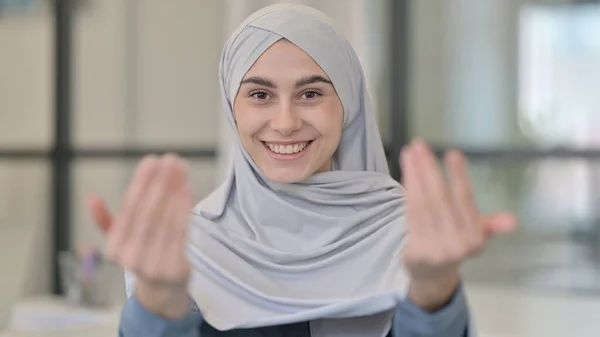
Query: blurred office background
x=514, y=83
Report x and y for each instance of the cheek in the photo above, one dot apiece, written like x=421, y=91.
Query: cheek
x=248, y=122
x=336, y=122
x=331, y=121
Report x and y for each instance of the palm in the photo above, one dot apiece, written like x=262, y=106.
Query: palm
x=148, y=236
x=444, y=223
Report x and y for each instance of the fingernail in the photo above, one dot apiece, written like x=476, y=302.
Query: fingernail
x=418, y=144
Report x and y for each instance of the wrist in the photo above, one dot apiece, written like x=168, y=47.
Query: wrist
x=170, y=302
x=433, y=294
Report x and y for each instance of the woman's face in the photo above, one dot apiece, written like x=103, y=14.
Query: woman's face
x=288, y=114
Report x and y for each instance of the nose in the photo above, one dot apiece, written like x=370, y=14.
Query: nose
x=286, y=120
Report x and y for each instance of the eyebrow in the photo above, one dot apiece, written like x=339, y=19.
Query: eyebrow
x=299, y=83
x=259, y=81
x=311, y=79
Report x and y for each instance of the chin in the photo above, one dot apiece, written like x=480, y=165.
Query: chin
x=286, y=176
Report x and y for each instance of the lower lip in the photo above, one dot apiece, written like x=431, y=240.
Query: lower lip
x=285, y=157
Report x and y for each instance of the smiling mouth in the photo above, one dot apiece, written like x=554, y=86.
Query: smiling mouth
x=287, y=149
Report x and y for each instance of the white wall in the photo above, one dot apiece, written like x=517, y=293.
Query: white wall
x=25, y=121
x=154, y=83
x=145, y=74
x=464, y=71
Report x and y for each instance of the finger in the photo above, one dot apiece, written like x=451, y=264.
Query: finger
x=418, y=218
x=143, y=176
x=170, y=178
x=435, y=189
x=186, y=199
x=165, y=257
x=177, y=248
x=500, y=223
x=448, y=244
x=139, y=247
x=473, y=232
x=100, y=213
x=462, y=191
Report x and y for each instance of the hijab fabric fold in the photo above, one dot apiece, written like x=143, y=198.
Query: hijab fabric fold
x=326, y=250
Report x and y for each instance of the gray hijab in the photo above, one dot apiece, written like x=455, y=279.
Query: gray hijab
x=326, y=250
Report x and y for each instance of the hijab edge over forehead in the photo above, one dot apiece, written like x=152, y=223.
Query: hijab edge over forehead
x=264, y=19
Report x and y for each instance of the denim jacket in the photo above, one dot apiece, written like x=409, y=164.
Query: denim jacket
x=409, y=321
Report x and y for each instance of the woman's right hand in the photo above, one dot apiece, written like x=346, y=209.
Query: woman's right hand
x=148, y=236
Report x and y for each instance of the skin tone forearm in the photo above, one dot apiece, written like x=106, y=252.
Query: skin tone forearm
x=434, y=295
x=170, y=302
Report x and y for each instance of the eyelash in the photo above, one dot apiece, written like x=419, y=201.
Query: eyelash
x=254, y=93
x=312, y=91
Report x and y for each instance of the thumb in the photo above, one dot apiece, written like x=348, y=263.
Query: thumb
x=500, y=223
x=100, y=213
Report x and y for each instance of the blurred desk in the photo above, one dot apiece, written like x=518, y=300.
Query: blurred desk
x=498, y=312
x=521, y=312
x=54, y=317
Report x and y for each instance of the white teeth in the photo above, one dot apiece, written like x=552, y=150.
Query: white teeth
x=287, y=149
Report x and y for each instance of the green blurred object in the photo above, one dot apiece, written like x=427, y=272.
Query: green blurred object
x=17, y=5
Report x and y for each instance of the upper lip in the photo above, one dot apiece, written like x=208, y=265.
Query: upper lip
x=287, y=142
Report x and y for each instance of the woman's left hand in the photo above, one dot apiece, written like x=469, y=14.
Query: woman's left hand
x=445, y=226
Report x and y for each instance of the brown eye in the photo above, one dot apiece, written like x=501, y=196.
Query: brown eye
x=310, y=94
x=260, y=95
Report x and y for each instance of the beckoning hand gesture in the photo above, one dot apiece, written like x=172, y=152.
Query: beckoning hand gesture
x=445, y=226
x=149, y=235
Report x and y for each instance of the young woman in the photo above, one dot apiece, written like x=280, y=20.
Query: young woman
x=309, y=235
